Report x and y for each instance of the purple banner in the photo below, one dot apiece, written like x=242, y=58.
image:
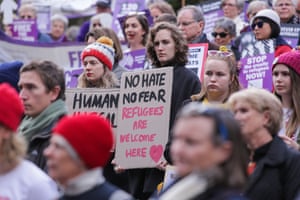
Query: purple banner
x=257, y=71
x=134, y=60
x=290, y=32
x=25, y=30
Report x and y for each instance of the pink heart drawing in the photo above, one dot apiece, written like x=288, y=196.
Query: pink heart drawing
x=156, y=152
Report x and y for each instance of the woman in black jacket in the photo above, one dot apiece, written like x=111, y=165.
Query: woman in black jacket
x=273, y=167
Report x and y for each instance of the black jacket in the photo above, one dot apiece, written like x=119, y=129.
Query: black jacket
x=277, y=174
x=105, y=191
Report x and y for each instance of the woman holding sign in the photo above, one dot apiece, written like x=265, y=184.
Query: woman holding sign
x=166, y=47
x=266, y=25
x=220, y=78
x=98, y=60
x=286, y=81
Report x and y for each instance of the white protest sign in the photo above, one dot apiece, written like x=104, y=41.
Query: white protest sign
x=94, y=100
x=143, y=117
x=196, y=58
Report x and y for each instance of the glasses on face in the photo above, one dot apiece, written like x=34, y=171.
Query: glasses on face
x=26, y=17
x=280, y=5
x=228, y=4
x=219, y=53
x=259, y=24
x=221, y=34
x=185, y=23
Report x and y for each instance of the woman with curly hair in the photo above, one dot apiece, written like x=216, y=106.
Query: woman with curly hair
x=98, y=60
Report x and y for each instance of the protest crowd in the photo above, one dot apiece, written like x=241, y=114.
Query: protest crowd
x=142, y=101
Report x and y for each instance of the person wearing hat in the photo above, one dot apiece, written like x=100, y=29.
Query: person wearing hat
x=79, y=148
x=266, y=25
x=286, y=81
x=9, y=73
x=98, y=60
x=19, y=178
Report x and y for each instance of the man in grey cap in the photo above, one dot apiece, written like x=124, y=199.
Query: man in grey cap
x=102, y=6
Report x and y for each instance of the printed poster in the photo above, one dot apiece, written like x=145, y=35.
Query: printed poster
x=290, y=33
x=196, y=58
x=25, y=30
x=134, y=60
x=256, y=64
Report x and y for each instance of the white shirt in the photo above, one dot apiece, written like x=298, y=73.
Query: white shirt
x=27, y=182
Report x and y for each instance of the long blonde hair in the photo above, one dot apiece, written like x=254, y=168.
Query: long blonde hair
x=12, y=149
x=108, y=80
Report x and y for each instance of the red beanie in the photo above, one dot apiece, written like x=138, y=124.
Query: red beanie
x=89, y=135
x=103, y=50
x=11, y=107
x=291, y=59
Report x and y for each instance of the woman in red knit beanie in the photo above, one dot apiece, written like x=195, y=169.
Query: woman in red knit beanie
x=286, y=81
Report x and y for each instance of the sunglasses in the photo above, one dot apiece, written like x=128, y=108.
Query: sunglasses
x=222, y=34
x=219, y=53
x=26, y=17
x=259, y=24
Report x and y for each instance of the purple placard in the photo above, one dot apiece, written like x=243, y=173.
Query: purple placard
x=123, y=7
x=212, y=13
x=43, y=18
x=290, y=32
x=74, y=70
x=257, y=71
x=134, y=60
x=25, y=30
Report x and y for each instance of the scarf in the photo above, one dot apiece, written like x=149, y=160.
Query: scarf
x=33, y=126
x=84, y=182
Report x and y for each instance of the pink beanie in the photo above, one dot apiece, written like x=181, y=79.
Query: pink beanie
x=11, y=107
x=290, y=59
x=102, y=49
x=89, y=135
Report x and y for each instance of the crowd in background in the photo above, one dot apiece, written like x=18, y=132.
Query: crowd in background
x=225, y=141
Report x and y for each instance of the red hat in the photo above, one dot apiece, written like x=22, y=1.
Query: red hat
x=291, y=59
x=89, y=135
x=103, y=50
x=11, y=107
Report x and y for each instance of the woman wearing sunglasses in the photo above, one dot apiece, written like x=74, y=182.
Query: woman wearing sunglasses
x=220, y=78
x=266, y=25
x=224, y=32
x=209, y=155
x=273, y=167
x=286, y=81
